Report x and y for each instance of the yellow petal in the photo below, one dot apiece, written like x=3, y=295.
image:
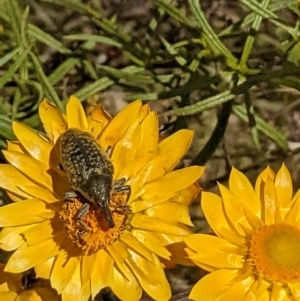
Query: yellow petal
x=212, y=207
x=144, y=222
x=295, y=289
x=143, y=204
x=27, y=257
x=75, y=114
x=22, y=213
x=257, y=291
x=148, y=145
x=63, y=269
x=214, y=251
x=242, y=188
x=118, y=251
x=119, y=124
x=15, y=146
x=262, y=178
x=177, y=213
x=167, y=239
x=87, y=266
x=10, y=238
x=179, y=254
x=234, y=210
x=145, y=110
x=173, y=182
x=40, y=232
x=187, y=195
x=30, y=167
x=37, y=294
x=38, y=147
x=44, y=269
x=39, y=192
x=253, y=220
x=208, y=243
x=9, y=281
x=149, y=240
x=8, y=296
x=175, y=147
x=212, y=285
x=124, y=151
x=51, y=117
x=14, y=197
x=10, y=177
x=100, y=279
x=293, y=214
x=97, y=121
x=125, y=290
x=135, y=245
x=157, y=287
x=170, y=151
x=284, y=190
x=238, y=290
x=269, y=202
x=75, y=290
x=279, y=293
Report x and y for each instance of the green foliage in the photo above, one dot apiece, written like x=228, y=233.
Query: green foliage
x=199, y=70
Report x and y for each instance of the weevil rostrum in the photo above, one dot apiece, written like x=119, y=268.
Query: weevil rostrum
x=90, y=172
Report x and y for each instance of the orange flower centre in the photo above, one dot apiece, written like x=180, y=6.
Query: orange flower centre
x=91, y=232
x=274, y=251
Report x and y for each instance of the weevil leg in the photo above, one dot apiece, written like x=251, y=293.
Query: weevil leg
x=119, y=182
x=80, y=215
x=70, y=195
x=109, y=151
x=124, y=188
x=83, y=211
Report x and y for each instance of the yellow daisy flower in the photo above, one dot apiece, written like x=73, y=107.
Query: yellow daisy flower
x=255, y=253
x=44, y=229
x=12, y=288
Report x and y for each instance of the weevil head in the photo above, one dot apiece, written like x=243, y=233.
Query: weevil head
x=98, y=189
x=99, y=192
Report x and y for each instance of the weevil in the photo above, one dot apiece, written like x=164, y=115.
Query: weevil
x=90, y=173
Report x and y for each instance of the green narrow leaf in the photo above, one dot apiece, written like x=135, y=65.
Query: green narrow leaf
x=16, y=103
x=262, y=126
x=250, y=39
x=180, y=60
x=278, y=5
x=49, y=90
x=262, y=11
x=13, y=13
x=129, y=76
x=62, y=70
x=202, y=105
x=94, y=88
x=14, y=67
x=6, y=58
x=90, y=69
x=47, y=39
x=210, y=36
x=294, y=54
x=141, y=96
x=174, y=13
x=93, y=38
x=134, y=58
x=5, y=128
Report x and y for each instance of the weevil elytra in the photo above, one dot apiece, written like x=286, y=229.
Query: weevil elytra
x=90, y=172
